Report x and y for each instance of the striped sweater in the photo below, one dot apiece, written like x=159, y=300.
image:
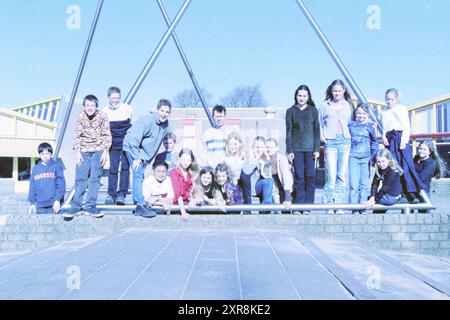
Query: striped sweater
x=92, y=135
x=119, y=122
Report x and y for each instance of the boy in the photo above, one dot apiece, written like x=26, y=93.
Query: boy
x=120, y=117
x=169, y=156
x=92, y=142
x=157, y=189
x=141, y=144
x=215, y=138
x=47, y=183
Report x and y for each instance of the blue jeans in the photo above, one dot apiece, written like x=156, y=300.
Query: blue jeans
x=337, y=152
x=45, y=210
x=138, y=179
x=304, y=177
x=91, y=169
x=245, y=183
x=117, y=157
x=359, y=175
x=264, y=188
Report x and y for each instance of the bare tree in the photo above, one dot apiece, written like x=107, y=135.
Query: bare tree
x=189, y=98
x=249, y=96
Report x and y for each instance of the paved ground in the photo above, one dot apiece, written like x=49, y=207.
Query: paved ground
x=231, y=264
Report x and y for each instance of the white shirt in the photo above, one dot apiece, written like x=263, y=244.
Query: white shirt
x=121, y=113
x=214, y=145
x=153, y=188
x=397, y=118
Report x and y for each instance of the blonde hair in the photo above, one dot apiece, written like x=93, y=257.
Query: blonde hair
x=237, y=136
x=393, y=164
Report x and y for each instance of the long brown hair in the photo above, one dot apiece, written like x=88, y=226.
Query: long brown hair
x=441, y=170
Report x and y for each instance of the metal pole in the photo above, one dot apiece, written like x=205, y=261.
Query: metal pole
x=186, y=64
x=278, y=207
x=77, y=80
x=337, y=60
x=155, y=54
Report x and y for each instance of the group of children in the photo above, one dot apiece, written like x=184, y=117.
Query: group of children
x=231, y=174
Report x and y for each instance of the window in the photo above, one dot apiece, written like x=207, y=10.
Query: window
x=45, y=111
x=24, y=169
x=6, y=167
x=52, y=116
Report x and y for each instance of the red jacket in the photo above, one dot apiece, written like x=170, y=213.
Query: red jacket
x=181, y=187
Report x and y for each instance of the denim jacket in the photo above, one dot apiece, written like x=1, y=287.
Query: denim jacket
x=364, y=140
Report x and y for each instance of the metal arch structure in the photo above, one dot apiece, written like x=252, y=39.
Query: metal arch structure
x=170, y=33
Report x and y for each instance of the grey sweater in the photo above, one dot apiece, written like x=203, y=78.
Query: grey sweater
x=302, y=130
x=144, y=138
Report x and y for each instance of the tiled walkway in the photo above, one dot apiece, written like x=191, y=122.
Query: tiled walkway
x=214, y=264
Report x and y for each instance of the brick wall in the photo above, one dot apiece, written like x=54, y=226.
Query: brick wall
x=421, y=233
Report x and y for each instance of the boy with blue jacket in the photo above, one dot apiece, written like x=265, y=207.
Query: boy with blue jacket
x=141, y=144
x=47, y=183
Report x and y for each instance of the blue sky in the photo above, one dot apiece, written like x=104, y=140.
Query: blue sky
x=228, y=43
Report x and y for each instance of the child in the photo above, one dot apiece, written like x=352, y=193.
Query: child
x=182, y=177
x=396, y=134
x=249, y=173
x=230, y=192
x=234, y=155
x=335, y=114
x=386, y=186
x=262, y=172
x=120, y=116
x=428, y=165
x=157, y=189
x=205, y=190
x=214, y=138
x=363, y=151
x=141, y=145
x=303, y=144
x=281, y=173
x=92, y=142
x=47, y=183
x=169, y=156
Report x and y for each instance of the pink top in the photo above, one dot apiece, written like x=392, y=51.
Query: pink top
x=181, y=187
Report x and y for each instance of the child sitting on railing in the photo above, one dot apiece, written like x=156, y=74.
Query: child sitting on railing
x=386, y=186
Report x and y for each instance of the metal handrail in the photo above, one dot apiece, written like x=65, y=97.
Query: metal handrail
x=406, y=208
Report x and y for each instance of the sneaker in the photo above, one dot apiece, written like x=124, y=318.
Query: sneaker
x=109, y=200
x=330, y=212
x=340, y=212
x=72, y=212
x=356, y=212
x=297, y=213
x=363, y=212
x=144, y=212
x=94, y=212
x=120, y=201
x=306, y=212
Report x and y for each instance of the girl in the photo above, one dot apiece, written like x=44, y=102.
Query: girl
x=396, y=134
x=363, y=151
x=386, y=186
x=182, y=176
x=205, y=191
x=234, y=155
x=230, y=192
x=335, y=114
x=428, y=165
x=280, y=171
x=303, y=143
x=255, y=179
